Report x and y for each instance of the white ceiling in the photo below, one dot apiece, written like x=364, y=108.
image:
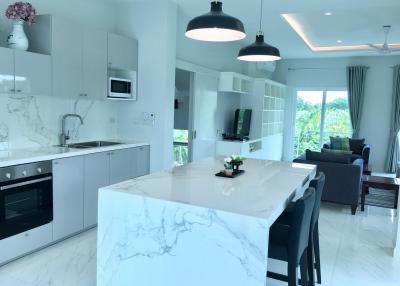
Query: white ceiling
x=352, y=21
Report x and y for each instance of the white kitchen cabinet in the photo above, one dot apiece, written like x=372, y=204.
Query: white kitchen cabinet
x=106, y=168
x=6, y=71
x=32, y=73
x=94, y=63
x=68, y=184
x=25, y=242
x=97, y=175
x=122, y=52
x=141, y=161
x=120, y=166
x=67, y=58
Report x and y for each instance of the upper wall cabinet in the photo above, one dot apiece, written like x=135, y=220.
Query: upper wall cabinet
x=6, y=71
x=32, y=73
x=234, y=82
x=122, y=53
x=94, y=64
x=79, y=60
x=67, y=58
x=24, y=73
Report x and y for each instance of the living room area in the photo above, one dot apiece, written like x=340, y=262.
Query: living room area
x=341, y=115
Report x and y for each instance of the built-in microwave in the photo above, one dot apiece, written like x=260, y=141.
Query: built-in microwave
x=121, y=88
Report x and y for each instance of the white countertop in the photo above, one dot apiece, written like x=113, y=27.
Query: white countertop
x=240, y=142
x=264, y=187
x=30, y=155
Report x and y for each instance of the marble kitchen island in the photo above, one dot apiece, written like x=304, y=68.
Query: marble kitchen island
x=188, y=227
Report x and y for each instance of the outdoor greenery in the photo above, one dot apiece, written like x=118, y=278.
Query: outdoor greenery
x=308, y=122
x=181, y=149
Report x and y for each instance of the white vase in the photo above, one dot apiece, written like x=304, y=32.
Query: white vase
x=17, y=39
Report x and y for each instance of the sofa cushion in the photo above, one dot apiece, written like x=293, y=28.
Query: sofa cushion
x=327, y=157
x=357, y=145
x=338, y=152
x=340, y=143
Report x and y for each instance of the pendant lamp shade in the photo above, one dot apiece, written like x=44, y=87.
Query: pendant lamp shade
x=215, y=26
x=259, y=51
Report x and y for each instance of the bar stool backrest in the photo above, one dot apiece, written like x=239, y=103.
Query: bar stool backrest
x=300, y=225
x=318, y=184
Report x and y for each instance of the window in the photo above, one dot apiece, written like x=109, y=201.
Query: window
x=181, y=147
x=319, y=115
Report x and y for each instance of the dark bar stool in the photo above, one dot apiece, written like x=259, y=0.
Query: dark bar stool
x=314, y=260
x=289, y=242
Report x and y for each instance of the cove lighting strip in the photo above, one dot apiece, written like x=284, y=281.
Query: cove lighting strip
x=296, y=26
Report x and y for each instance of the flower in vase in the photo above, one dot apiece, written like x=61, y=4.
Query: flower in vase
x=21, y=11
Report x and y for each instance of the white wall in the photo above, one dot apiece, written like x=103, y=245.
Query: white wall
x=331, y=73
x=155, y=29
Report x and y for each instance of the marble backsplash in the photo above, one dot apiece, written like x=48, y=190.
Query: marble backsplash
x=35, y=121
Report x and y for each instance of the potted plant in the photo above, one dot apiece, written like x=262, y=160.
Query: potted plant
x=232, y=164
x=20, y=12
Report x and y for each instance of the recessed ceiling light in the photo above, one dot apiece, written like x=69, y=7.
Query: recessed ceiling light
x=339, y=41
x=328, y=13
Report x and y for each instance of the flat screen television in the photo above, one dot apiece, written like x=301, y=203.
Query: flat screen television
x=241, y=126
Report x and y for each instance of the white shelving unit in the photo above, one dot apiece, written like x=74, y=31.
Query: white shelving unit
x=234, y=82
x=273, y=109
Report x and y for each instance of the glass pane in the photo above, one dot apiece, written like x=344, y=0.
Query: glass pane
x=21, y=203
x=181, y=136
x=181, y=147
x=337, y=117
x=308, y=121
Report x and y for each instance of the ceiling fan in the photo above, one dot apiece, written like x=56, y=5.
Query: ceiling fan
x=385, y=48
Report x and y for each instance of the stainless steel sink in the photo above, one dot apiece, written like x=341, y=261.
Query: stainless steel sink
x=92, y=144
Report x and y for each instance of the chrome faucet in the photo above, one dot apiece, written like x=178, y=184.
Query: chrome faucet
x=65, y=136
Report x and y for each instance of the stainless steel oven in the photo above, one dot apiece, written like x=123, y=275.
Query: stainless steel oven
x=26, y=197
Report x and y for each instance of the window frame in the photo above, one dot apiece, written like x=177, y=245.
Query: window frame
x=324, y=91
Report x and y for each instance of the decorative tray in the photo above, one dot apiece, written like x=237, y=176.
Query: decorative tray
x=234, y=174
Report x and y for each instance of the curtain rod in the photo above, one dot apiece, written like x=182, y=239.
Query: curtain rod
x=296, y=69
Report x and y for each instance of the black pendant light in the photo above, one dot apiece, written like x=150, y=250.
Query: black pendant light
x=215, y=26
x=259, y=51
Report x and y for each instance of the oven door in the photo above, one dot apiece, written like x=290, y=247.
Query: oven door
x=25, y=204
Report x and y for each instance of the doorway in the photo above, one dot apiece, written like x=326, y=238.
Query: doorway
x=182, y=115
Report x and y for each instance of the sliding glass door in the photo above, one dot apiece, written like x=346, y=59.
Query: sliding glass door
x=319, y=115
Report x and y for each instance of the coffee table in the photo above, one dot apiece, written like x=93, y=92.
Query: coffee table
x=381, y=183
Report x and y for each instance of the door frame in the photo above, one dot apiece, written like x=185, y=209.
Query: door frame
x=192, y=69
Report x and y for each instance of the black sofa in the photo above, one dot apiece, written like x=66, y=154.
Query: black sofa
x=359, y=148
x=343, y=176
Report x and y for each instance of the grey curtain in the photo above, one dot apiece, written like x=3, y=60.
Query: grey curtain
x=393, y=151
x=356, y=86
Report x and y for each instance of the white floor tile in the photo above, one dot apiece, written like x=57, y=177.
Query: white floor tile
x=355, y=250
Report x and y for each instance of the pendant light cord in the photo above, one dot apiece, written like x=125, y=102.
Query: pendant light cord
x=261, y=14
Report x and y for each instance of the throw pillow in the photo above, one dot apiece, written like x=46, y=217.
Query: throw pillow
x=328, y=157
x=357, y=145
x=340, y=143
x=334, y=151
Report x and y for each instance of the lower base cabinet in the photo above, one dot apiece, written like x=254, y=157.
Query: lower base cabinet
x=97, y=175
x=107, y=168
x=23, y=243
x=68, y=184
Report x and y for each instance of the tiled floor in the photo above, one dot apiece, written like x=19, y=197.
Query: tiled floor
x=355, y=251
